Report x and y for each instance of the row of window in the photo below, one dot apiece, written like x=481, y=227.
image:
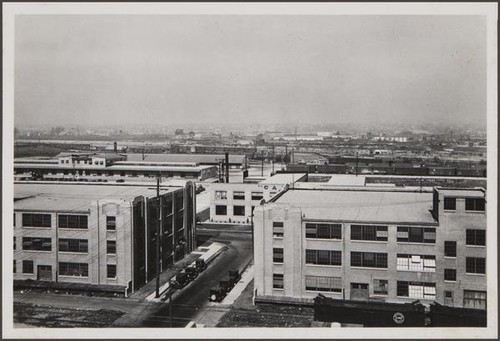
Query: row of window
x=405, y=262
x=380, y=233
x=72, y=221
x=416, y=290
x=68, y=269
x=222, y=195
x=237, y=210
x=471, y=204
x=65, y=245
x=85, y=162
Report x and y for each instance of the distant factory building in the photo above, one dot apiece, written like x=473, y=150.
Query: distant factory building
x=99, y=237
x=98, y=164
x=235, y=160
x=372, y=245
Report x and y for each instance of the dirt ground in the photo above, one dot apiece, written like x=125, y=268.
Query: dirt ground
x=54, y=317
x=244, y=314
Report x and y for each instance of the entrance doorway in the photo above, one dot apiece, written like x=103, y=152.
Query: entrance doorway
x=359, y=292
x=44, y=273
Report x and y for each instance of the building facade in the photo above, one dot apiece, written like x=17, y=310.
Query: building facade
x=103, y=236
x=233, y=203
x=373, y=245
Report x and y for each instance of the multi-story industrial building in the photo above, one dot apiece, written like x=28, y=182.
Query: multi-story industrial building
x=373, y=244
x=103, y=236
x=234, y=202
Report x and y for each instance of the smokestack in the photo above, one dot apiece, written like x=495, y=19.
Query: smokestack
x=115, y=147
x=227, y=167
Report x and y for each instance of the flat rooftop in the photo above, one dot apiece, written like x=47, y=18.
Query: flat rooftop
x=283, y=178
x=76, y=197
x=199, y=158
x=364, y=206
x=463, y=192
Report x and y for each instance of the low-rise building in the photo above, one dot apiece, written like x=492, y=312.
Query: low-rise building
x=103, y=236
x=375, y=244
x=107, y=164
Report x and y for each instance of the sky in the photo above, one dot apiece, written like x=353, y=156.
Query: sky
x=181, y=69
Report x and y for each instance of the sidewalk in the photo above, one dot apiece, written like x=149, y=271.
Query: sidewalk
x=211, y=314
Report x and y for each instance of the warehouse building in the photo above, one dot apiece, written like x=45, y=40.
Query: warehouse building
x=83, y=165
x=234, y=203
x=373, y=244
x=236, y=161
x=99, y=236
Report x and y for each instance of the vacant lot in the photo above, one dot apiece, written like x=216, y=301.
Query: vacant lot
x=46, y=316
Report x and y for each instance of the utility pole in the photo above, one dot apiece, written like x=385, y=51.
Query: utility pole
x=356, y=163
x=158, y=231
x=262, y=167
x=273, y=158
x=421, y=175
x=170, y=301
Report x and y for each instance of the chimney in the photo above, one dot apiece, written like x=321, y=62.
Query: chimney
x=227, y=167
x=115, y=147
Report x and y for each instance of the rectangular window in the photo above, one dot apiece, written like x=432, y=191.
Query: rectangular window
x=322, y=283
x=369, y=232
x=450, y=249
x=37, y=244
x=323, y=257
x=257, y=195
x=28, y=267
x=324, y=231
x=111, y=271
x=73, y=245
x=450, y=204
x=220, y=195
x=278, y=230
x=238, y=195
x=220, y=210
x=15, y=267
x=448, y=298
x=474, y=204
x=239, y=210
x=73, y=269
x=380, y=287
x=412, y=234
x=14, y=243
x=37, y=220
x=420, y=290
x=369, y=260
x=111, y=247
x=474, y=299
x=278, y=282
x=450, y=275
x=73, y=221
x=277, y=255
x=475, y=237
x=110, y=223
x=474, y=265
x=421, y=263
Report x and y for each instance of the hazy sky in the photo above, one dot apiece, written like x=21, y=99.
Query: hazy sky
x=162, y=70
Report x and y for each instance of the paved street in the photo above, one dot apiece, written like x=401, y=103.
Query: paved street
x=193, y=299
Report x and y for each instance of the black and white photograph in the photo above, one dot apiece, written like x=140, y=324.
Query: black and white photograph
x=249, y=170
